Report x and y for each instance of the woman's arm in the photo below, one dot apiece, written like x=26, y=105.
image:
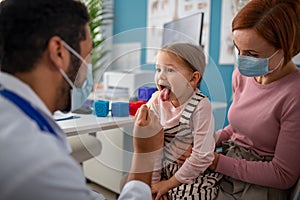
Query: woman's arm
x=223, y=135
x=284, y=169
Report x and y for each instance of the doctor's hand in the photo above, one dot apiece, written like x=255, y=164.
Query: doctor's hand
x=148, y=138
x=148, y=132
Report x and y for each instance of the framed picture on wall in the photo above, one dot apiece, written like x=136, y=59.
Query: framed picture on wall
x=164, y=11
x=229, y=10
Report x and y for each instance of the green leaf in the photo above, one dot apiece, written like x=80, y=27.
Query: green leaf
x=101, y=15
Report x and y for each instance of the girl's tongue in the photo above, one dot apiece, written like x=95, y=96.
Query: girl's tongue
x=164, y=94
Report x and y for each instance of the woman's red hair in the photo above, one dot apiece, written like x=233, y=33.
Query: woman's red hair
x=277, y=21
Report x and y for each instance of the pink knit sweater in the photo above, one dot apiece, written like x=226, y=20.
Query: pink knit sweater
x=266, y=119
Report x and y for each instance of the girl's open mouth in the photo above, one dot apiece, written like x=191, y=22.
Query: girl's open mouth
x=164, y=92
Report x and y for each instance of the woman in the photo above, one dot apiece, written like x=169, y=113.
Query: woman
x=261, y=143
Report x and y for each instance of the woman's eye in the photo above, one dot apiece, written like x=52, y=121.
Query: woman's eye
x=158, y=70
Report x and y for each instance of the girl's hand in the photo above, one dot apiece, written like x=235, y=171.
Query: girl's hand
x=160, y=190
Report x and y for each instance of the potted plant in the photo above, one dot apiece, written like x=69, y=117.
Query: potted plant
x=101, y=13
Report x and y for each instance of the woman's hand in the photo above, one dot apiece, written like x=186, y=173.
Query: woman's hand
x=185, y=155
x=214, y=164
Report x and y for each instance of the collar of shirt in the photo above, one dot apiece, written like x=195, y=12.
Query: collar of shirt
x=15, y=85
x=23, y=90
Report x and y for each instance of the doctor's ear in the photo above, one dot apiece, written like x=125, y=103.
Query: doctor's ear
x=59, y=55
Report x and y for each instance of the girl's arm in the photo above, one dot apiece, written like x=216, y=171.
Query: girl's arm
x=202, y=125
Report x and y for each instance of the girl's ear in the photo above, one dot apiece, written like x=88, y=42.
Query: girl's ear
x=196, y=76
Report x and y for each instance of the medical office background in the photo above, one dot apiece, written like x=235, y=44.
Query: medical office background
x=137, y=35
x=132, y=40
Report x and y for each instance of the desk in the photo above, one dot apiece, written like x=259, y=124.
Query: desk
x=115, y=135
x=91, y=124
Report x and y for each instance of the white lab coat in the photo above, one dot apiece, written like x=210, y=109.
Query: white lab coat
x=37, y=165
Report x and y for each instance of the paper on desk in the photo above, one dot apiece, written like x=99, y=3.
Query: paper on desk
x=58, y=116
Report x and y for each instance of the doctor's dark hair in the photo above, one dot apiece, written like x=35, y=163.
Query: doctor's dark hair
x=26, y=26
x=277, y=21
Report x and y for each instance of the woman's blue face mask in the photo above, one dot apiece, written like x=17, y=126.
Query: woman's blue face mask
x=251, y=66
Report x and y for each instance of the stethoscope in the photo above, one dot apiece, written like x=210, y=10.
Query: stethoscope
x=29, y=110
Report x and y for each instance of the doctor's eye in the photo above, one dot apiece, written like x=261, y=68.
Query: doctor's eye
x=158, y=70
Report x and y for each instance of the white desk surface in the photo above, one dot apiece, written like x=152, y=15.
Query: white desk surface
x=90, y=123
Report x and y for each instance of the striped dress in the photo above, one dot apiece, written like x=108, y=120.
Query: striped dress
x=177, y=139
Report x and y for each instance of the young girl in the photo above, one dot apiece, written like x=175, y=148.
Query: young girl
x=186, y=116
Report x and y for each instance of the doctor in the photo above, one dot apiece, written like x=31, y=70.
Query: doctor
x=45, y=48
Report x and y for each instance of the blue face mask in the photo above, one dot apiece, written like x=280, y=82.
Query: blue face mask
x=83, y=84
x=251, y=66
